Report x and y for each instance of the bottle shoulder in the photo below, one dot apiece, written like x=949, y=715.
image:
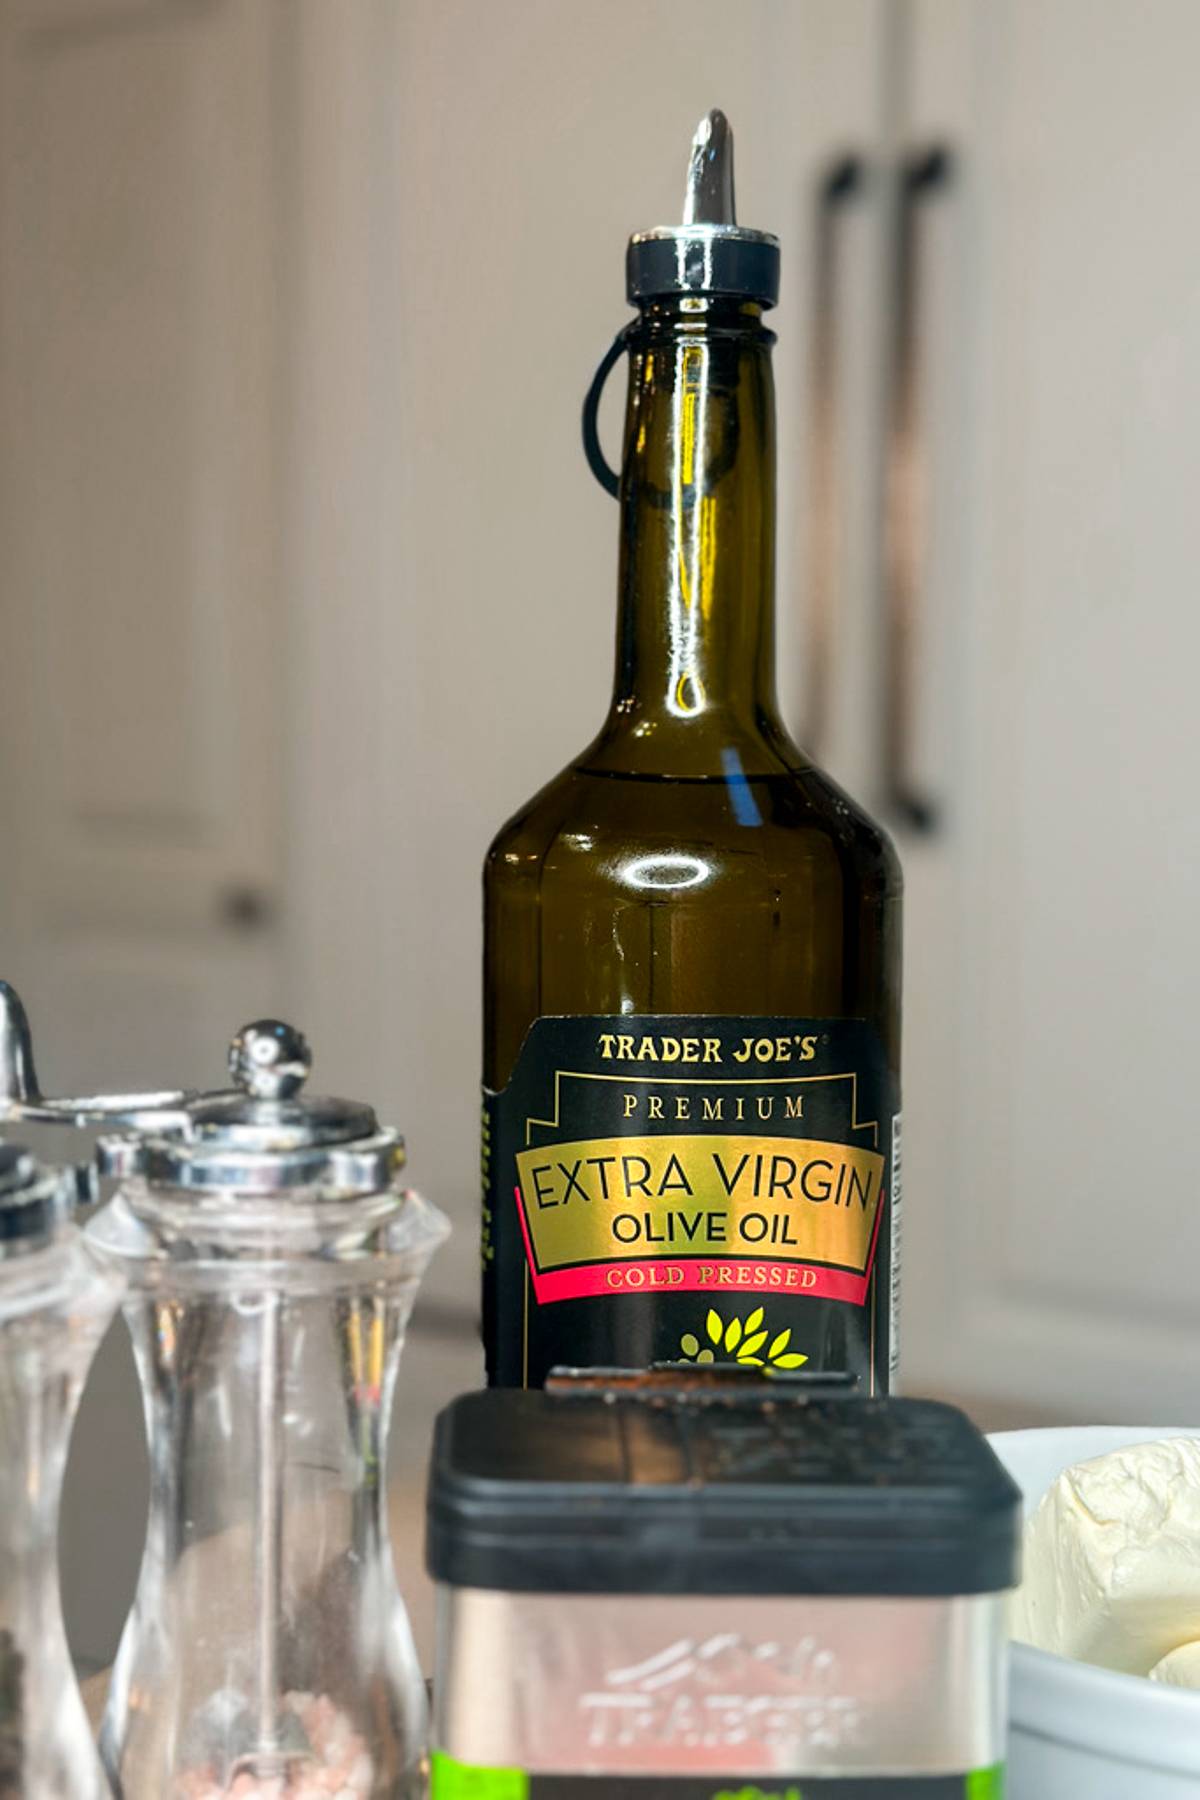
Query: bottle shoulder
x=789, y=819
x=536, y=822
x=851, y=822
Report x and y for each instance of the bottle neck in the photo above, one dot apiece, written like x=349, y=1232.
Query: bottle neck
x=696, y=623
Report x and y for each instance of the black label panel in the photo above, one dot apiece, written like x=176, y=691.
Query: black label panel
x=458, y=1781
x=683, y=1189
x=877, y=1787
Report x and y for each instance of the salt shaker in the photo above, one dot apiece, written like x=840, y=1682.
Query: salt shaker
x=271, y=1260
x=55, y=1303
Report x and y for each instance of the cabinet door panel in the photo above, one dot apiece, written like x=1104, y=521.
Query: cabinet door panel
x=140, y=737
x=1067, y=1238
x=142, y=709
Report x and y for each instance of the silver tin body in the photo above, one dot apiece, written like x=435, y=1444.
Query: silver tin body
x=682, y=1684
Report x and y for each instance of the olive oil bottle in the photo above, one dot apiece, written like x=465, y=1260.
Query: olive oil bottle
x=692, y=936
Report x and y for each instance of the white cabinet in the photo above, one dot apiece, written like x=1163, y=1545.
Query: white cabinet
x=141, y=742
x=1053, y=986
x=1037, y=509
x=140, y=735
x=297, y=308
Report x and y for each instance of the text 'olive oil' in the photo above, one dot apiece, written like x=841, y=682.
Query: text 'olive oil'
x=692, y=936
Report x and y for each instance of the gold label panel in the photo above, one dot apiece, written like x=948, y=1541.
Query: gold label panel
x=626, y=1198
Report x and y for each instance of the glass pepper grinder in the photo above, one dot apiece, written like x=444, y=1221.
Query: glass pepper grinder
x=271, y=1260
x=55, y=1304
x=56, y=1300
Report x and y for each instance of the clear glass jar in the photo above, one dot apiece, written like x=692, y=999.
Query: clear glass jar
x=55, y=1304
x=270, y=1280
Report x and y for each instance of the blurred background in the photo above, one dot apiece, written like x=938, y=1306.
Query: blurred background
x=305, y=586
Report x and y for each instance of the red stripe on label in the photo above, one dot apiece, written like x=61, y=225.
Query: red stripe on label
x=683, y=1275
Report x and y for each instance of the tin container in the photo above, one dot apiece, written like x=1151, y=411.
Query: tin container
x=699, y=1591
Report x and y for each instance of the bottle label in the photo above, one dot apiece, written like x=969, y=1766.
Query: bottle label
x=451, y=1780
x=683, y=1189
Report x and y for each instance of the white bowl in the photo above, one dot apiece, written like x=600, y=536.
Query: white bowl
x=1077, y=1732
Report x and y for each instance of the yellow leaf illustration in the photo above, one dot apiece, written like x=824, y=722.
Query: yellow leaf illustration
x=755, y=1320
x=751, y=1344
x=790, y=1362
x=714, y=1326
x=689, y=1344
x=754, y=1361
x=780, y=1343
x=733, y=1334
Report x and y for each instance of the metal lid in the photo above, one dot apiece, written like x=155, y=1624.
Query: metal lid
x=722, y=1487
x=258, y=1137
x=34, y=1201
x=263, y=1137
x=709, y=253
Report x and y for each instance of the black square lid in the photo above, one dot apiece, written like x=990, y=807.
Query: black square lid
x=717, y=1491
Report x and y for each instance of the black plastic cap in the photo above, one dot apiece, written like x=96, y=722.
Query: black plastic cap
x=734, y=1494
x=738, y=265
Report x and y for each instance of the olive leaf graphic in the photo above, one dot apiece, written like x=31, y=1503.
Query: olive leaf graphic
x=743, y=1341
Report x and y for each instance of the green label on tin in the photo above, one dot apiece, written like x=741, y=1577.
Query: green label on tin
x=986, y=1784
x=453, y=1780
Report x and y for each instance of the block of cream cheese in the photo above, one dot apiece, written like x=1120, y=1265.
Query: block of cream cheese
x=1112, y=1559
x=1180, y=1669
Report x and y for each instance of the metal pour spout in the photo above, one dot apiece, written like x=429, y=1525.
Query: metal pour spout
x=709, y=253
x=708, y=198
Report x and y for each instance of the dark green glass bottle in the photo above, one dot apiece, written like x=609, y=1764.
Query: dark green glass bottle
x=692, y=936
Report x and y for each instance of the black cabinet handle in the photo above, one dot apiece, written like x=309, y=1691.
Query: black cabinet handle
x=246, y=908
x=924, y=178
x=842, y=183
